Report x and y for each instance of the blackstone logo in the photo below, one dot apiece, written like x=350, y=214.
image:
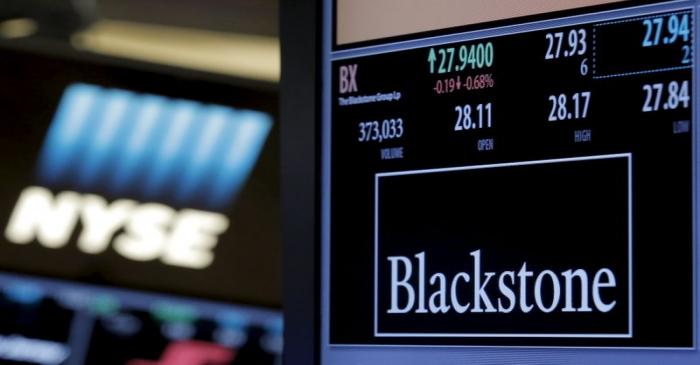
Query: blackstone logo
x=530, y=252
x=491, y=292
x=161, y=153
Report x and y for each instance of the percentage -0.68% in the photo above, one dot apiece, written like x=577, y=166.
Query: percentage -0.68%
x=457, y=83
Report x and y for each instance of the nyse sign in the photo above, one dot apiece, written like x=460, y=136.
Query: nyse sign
x=137, y=231
x=171, y=167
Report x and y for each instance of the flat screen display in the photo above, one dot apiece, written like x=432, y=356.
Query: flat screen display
x=140, y=215
x=509, y=182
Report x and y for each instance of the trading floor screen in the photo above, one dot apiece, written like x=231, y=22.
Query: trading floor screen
x=512, y=181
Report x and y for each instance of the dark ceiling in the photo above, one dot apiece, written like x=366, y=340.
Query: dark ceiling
x=241, y=16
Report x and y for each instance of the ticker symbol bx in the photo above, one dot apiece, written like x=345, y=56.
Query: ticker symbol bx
x=348, y=79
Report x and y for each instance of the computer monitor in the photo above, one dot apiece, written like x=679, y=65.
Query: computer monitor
x=139, y=207
x=492, y=182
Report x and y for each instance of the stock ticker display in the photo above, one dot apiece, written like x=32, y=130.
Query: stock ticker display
x=517, y=185
x=53, y=322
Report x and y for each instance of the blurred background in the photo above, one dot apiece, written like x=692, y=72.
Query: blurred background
x=236, y=16
x=139, y=182
x=193, y=34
